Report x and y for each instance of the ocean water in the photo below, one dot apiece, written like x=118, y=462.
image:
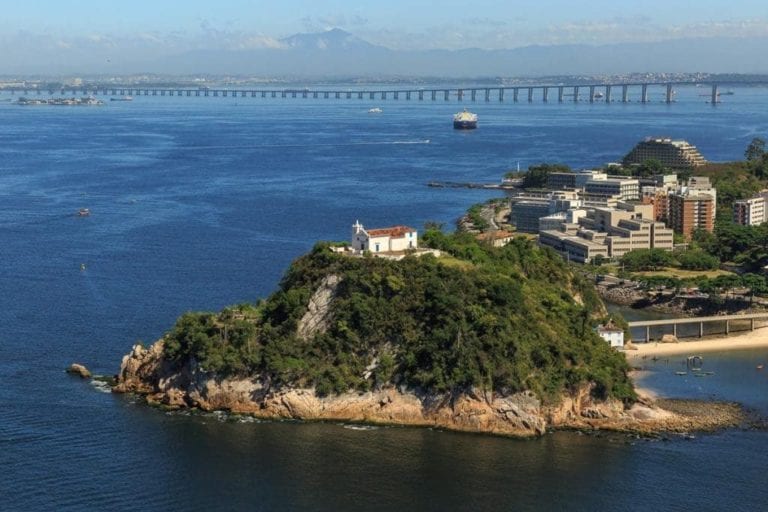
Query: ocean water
x=199, y=203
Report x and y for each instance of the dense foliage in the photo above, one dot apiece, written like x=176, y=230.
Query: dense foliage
x=536, y=176
x=504, y=319
x=646, y=259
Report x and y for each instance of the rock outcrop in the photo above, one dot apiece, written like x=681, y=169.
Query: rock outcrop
x=318, y=315
x=79, y=370
x=147, y=372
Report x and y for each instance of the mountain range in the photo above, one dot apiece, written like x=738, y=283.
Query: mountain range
x=337, y=53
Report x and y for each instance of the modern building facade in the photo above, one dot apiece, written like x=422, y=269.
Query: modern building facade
x=749, y=212
x=689, y=212
x=675, y=154
x=625, y=189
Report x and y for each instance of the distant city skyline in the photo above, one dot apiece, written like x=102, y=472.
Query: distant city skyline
x=397, y=24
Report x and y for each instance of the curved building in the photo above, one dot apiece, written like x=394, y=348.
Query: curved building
x=675, y=154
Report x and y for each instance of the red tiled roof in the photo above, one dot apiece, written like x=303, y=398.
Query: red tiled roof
x=394, y=231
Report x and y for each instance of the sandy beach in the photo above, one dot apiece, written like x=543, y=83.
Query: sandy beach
x=749, y=340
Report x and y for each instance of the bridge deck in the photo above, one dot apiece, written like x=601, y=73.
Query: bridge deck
x=696, y=320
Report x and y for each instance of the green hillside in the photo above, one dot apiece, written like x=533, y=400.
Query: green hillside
x=501, y=319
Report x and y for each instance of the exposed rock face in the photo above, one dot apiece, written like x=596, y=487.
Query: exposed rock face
x=318, y=315
x=80, y=370
x=145, y=371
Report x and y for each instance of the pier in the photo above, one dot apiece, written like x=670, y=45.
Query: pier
x=655, y=329
x=639, y=92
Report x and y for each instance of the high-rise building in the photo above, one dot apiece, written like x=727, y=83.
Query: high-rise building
x=675, y=154
x=691, y=211
x=749, y=212
x=626, y=189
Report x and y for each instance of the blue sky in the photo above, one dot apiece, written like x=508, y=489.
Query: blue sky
x=393, y=23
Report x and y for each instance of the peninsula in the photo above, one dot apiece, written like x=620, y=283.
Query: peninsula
x=468, y=336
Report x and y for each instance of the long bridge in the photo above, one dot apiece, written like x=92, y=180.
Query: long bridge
x=608, y=93
x=748, y=321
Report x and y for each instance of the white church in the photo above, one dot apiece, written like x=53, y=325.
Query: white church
x=383, y=240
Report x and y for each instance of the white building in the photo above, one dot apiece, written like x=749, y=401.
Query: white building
x=383, y=240
x=612, y=334
x=626, y=189
x=749, y=212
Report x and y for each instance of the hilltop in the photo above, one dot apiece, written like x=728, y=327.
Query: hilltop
x=482, y=339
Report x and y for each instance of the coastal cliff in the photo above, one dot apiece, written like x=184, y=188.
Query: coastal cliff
x=496, y=340
x=145, y=371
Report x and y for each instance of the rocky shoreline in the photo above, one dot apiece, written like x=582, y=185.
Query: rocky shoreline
x=631, y=295
x=147, y=372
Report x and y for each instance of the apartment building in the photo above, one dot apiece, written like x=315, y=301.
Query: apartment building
x=675, y=154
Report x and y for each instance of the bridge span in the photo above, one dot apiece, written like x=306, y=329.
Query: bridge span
x=655, y=329
x=607, y=93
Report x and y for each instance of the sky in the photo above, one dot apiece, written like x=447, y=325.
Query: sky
x=58, y=36
x=451, y=24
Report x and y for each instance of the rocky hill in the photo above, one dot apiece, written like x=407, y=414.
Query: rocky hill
x=484, y=339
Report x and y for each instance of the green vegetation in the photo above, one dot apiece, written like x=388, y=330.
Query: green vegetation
x=646, y=259
x=501, y=319
x=536, y=176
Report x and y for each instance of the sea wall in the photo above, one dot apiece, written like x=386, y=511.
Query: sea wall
x=147, y=372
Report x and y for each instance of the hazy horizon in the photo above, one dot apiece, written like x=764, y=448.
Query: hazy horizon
x=54, y=37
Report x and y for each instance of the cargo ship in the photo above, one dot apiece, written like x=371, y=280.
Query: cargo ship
x=465, y=120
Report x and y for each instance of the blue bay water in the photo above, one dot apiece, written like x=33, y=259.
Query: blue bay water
x=200, y=203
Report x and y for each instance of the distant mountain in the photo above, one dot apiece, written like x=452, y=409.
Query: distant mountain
x=331, y=40
x=337, y=52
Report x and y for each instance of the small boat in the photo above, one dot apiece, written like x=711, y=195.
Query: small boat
x=465, y=120
x=598, y=95
x=375, y=110
x=83, y=212
x=82, y=267
x=760, y=366
x=681, y=373
x=122, y=98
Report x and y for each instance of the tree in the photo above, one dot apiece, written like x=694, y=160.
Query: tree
x=536, y=177
x=646, y=259
x=756, y=150
x=649, y=168
x=697, y=259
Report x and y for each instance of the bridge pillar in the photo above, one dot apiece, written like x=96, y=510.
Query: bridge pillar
x=349, y=95
x=460, y=94
x=421, y=95
x=727, y=327
x=243, y=94
x=197, y=93
x=669, y=93
x=501, y=94
x=383, y=95
x=263, y=94
x=644, y=93
x=434, y=95
x=674, y=330
x=274, y=94
x=576, y=94
x=715, y=95
x=360, y=95
x=591, y=93
x=283, y=94
x=530, y=94
x=624, y=93
x=545, y=94
x=607, y=93
x=408, y=96
x=751, y=324
x=701, y=329
x=396, y=95
x=326, y=95
x=337, y=95
x=446, y=95
x=293, y=94
x=647, y=333
x=371, y=95
x=154, y=92
x=560, y=90
x=474, y=94
x=515, y=93
x=487, y=95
